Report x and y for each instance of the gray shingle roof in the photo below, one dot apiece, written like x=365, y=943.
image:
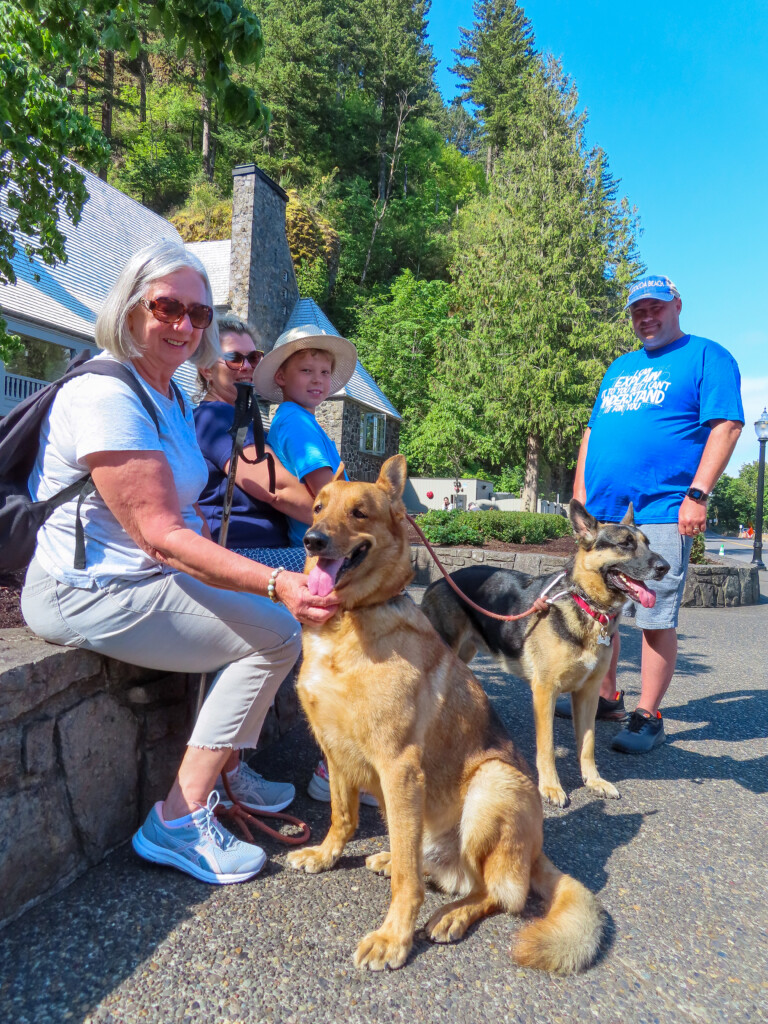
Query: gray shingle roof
x=215, y=258
x=69, y=296
x=361, y=387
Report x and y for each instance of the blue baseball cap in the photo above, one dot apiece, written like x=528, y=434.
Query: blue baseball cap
x=654, y=286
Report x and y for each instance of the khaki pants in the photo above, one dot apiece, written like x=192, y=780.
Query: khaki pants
x=175, y=623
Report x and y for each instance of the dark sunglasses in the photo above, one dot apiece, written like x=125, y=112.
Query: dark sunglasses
x=237, y=358
x=171, y=311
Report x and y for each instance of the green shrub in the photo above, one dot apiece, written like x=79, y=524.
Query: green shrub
x=698, y=550
x=450, y=527
x=474, y=527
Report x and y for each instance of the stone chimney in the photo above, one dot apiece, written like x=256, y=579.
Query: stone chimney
x=262, y=284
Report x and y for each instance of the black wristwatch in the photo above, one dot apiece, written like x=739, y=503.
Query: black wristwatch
x=696, y=494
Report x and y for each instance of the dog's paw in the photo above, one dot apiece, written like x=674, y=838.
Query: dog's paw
x=378, y=950
x=381, y=863
x=312, y=859
x=448, y=925
x=603, y=788
x=554, y=795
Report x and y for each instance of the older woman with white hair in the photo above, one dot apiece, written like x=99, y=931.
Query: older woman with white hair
x=156, y=591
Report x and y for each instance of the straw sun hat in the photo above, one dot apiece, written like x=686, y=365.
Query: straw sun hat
x=297, y=339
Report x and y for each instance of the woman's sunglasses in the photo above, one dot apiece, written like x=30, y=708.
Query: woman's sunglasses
x=171, y=311
x=237, y=358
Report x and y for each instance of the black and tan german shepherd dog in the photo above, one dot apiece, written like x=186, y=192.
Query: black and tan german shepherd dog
x=568, y=648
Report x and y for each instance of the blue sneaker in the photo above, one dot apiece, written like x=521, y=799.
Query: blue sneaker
x=254, y=792
x=319, y=787
x=642, y=733
x=201, y=847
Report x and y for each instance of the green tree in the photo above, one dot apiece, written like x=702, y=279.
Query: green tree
x=493, y=59
x=539, y=268
x=734, y=499
x=399, y=336
x=43, y=46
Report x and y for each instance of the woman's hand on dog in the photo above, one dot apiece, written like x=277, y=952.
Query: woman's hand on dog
x=291, y=588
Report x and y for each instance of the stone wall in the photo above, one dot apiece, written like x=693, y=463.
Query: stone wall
x=340, y=419
x=426, y=571
x=725, y=583
x=263, y=288
x=87, y=745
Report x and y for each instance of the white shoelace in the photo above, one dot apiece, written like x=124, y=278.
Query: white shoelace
x=210, y=826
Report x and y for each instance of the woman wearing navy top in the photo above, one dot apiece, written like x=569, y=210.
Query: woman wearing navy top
x=257, y=525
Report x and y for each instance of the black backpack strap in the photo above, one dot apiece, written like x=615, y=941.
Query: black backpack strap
x=85, y=487
x=179, y=396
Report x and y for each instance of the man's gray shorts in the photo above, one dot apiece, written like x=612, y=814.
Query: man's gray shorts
x=666, y=540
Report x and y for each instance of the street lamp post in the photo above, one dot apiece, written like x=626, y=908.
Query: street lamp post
x=761, y=429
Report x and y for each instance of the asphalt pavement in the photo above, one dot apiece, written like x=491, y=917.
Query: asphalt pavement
x=679, y=865
x=733, y=547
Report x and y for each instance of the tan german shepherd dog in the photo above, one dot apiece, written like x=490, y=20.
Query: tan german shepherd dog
x=396, y=712
x=567, y=650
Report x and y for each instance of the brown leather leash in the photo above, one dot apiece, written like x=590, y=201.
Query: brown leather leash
x=541, y=604
x=244, y=819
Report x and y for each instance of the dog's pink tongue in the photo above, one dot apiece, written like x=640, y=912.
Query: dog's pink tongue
x=323, y=576
x=640, y=592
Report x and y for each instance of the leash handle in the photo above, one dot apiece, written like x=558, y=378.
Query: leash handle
x=539, y=605
x=245, y=818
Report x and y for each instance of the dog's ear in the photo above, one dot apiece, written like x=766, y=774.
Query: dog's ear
x=629, y=518
x=339, y=474
x=585, y=526
x=393, y=475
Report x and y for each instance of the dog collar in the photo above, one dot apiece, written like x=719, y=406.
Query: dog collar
x=601, y=617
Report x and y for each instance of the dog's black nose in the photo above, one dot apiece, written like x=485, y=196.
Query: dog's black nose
x=315, y=541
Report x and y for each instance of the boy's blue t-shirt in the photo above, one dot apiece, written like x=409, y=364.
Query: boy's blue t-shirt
x=252, y=523
x=302, y=446
x=649, y=427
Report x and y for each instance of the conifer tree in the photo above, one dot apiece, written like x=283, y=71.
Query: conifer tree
x=493, y=60
x=539, y=268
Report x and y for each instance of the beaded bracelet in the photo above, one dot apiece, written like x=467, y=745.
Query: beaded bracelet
x=271, y=593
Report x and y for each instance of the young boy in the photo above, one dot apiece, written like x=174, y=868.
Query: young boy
x=305, y=366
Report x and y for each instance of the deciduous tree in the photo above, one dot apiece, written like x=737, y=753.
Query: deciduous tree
x=44, y=44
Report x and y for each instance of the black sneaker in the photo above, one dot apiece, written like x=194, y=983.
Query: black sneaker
x=642, y=733
x=608, y=710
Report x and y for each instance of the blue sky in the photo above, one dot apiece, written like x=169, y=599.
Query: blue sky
x=677, y=96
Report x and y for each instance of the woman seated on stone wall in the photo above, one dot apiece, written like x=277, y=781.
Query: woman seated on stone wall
x=257, y=525
x=156, y=591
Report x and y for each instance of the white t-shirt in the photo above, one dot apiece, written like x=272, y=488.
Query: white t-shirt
x=99, y=414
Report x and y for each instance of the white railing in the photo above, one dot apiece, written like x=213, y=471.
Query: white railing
x=16, y=388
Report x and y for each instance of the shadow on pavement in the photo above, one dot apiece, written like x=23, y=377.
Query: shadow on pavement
x=58, y=966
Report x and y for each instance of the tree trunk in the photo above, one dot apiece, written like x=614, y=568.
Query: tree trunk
x=386, y=182
x=143, y=63
x=212, y=157
x=531, y=484
x=106, y=102
x=382, y=173
x=205, y=107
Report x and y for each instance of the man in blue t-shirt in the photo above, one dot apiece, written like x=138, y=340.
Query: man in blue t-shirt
x=663, y=428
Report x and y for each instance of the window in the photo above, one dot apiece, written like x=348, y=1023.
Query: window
x=373, y=432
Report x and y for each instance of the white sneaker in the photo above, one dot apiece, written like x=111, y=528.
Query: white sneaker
x=253, y=791
x=319, y=787
x=201, y=847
